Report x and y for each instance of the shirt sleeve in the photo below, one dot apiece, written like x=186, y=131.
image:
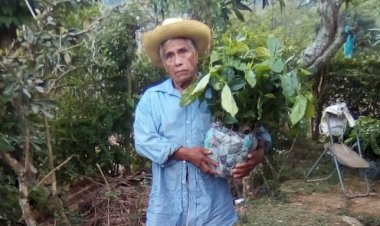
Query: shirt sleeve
x=149, y=142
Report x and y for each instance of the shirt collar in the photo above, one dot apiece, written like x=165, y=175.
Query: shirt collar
x=168, y=87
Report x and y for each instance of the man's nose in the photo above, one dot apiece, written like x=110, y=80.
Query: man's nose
x=177, y=60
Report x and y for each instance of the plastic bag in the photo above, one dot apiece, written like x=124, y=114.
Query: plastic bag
x=228, y=147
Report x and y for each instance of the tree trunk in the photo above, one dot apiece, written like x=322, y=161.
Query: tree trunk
x=319, y=92
x=329, y=39
x=316, y=56
x=23, y=188
x=23, y=200
x=24, y=174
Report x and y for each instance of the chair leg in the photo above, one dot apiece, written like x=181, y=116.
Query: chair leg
x=346, y=194
x=312, y=168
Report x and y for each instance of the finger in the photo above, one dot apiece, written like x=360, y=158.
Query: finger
x=240, y=170
x=247, y=164
x=210, y=161
x=207, y=169
x=206, y=151
x=239, y=175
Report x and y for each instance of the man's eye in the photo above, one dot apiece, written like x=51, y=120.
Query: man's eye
x=183, y=51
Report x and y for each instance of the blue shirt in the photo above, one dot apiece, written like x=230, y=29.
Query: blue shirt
x=181, y=193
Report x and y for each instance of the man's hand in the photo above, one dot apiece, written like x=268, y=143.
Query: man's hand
x=198, y=156
x=254, y=158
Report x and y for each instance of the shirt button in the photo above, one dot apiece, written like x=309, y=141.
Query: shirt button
x=184, y=161
x=187, y=122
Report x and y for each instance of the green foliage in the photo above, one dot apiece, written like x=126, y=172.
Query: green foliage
x=39, y=197
x=215, y=13
x=9, y=207
x=251, y=84
x=145, y=74
x=13, y=12
x=369, y=135
x=376, y=36
x=99, y=100
x=355, y=81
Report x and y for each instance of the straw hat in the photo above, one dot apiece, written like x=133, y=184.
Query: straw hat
x=198, y=32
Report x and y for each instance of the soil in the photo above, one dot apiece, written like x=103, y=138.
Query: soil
x=315, y=203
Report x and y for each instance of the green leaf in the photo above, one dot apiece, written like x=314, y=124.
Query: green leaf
x=250, y=77
x=236, y=84
x=228, y=101
x=259, y=107
x=237, y=64
x=274, y=46
x=289, y=83
x=298, y=109
x=187, y=97
x=228, y=119
x=305, y=72
x=201, y=85
x=237, y=47
x=5, y=146
x=250, y=114
x=241, y=6
x=241, y=37
x=276, y=65
x=262, y=52
x=216, y=84
x=238, y=14
x=214, y=57
x=270, y=96
x=310, y=108
x=67, y=58
x=261, y=68
x=228, y=74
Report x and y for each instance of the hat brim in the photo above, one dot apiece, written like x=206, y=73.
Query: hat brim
x=198, y=32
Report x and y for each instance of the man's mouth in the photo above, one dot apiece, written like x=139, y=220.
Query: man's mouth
x=182, y=72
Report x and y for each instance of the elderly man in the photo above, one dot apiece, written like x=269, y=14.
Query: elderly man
x=185, y=190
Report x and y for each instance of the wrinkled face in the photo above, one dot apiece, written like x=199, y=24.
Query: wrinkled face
x=180, y=59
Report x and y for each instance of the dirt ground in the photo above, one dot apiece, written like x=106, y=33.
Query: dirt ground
x=315, y=203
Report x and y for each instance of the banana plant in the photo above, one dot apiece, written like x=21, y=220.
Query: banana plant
x=247, y=85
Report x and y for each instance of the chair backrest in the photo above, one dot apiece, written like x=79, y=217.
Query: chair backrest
x=335, y=119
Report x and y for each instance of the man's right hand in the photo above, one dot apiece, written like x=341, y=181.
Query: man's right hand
x=198, y=156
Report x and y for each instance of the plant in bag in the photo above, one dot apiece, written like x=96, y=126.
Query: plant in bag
x=247, y=87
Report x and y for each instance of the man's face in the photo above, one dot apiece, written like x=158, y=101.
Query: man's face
x=180, y=60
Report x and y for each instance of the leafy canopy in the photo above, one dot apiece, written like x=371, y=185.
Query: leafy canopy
x=246, y=84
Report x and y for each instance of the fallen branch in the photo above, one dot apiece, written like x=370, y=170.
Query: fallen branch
x=55, y=169
x=108, y=198
x=289, y=153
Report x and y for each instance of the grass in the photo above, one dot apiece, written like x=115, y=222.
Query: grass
x=270, y=211
x=294, y=202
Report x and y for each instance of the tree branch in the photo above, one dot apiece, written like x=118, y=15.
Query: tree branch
x=15, y=165
x=331, y=49
x=327, y=34
x=55, y=169
x=30, y=9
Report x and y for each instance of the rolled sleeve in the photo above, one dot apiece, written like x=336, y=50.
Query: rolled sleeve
x=148, y=142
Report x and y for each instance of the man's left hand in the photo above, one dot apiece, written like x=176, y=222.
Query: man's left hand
x=254, y=158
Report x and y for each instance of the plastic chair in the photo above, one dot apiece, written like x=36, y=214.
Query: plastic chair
x=333, y=124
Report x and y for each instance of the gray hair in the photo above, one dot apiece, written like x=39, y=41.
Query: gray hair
x=189, y=41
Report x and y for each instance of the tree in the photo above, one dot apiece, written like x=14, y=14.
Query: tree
x=13, y=13
x=30, y=71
